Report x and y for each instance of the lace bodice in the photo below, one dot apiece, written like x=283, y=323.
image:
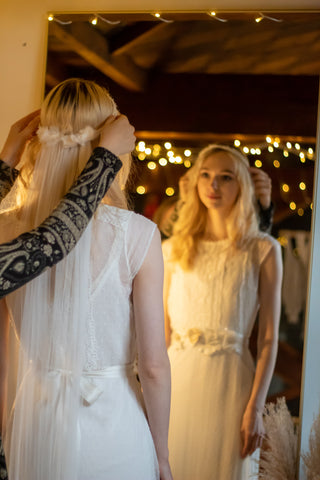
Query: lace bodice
x=220, y=293
x=121, y=241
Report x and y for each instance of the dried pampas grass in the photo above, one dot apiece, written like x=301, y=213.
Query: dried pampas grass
x=279, y=459
x=312, y=458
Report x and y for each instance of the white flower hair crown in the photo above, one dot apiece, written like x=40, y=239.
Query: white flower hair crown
x=52, y=136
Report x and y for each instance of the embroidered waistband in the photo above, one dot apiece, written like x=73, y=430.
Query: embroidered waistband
x=210, y=341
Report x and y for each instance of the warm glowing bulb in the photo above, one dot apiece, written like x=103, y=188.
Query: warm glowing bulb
x=285, y=187
x=268, y=139
x=289, y=145
x=252, y=151
x=258, y=151
x=258, y=163
x=141, y=156
x=310, y=151
x=178, y=159
x=213, y=14
x=147, y=151
x=285, y=153
x=302, y=186
x=297, y=146
x=276, y=163
x=270, y=149
x=258, y=19
x=170, y=153
x=94, y=21
x=246, y=149
x=50, y=18
x=237, y=143
x=163, y=162
x=152, y=165
x=141, y=190
x=141, y=146
x=311, y=205
x=187, y=153
x=169, y=191
x=167, y=145
x=187, y=163
x=157, y=15
x=300, y=212
x=292, y=205
x=172, y=159
x=276, y=144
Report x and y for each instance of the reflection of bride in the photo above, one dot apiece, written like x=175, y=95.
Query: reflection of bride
x=77, y=409
x=219, y=270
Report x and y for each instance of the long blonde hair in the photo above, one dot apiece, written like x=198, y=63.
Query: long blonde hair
x=71, y=116
x=190, y=227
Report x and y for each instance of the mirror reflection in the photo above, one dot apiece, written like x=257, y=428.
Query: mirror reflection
x=186, y=81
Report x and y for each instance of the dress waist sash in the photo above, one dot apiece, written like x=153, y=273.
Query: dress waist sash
x=210, y=341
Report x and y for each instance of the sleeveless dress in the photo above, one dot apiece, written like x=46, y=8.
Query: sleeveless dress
x=112, y=439
x=212, y=309
x=116, y=442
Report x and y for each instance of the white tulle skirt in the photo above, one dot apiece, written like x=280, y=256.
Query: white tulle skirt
x=209, y=395
x=115, y=440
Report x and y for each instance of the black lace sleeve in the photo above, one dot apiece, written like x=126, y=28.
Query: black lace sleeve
x=28, y=255
x=7, y=179
x=265, y=217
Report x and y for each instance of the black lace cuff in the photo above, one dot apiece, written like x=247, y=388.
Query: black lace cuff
x=265, y=217
x=28, y=255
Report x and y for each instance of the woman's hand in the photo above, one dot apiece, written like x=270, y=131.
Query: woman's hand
x=165, y=470
x=117, y=135
x=262, y=186
x=19, y=134
x=252, y=431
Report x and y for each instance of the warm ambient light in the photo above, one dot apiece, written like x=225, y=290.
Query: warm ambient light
x=292, y=206
x=258, y=19
x=258, y=163
x=285, y=187
x=276, y=163
x=50, y=18
x=169, y=191
x=213, y=14
x=94, y=21
x=237, y=143
x=141, y=190
x=157, y=15
x=163, y=162
x=152, y=165
x=302, y=186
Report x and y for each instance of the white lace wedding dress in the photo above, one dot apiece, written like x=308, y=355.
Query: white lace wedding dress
x=116, y=442
x=212, y=310
x=112, y=438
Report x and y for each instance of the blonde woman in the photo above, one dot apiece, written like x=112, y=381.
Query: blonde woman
x=75, y=410
x=219, y=271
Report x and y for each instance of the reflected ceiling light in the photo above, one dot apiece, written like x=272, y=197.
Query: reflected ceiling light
x=263, y=16
x=214, y=15
x=52, y=18
x=158, y=15
x=94, y=20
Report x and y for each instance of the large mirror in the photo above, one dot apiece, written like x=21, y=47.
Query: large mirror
x=248, y=80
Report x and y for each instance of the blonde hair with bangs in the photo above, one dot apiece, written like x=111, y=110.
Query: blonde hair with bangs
x=242, y=224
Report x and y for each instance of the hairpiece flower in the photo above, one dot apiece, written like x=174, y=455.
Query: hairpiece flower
x=52, y=136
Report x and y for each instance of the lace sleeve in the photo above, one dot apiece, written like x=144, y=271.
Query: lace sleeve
x=8, y=176
x=28, y=255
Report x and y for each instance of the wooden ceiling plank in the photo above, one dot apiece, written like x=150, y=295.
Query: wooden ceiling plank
x=94, y=49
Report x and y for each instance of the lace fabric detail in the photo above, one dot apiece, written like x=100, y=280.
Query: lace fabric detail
x=210, y=341
x=52, y=135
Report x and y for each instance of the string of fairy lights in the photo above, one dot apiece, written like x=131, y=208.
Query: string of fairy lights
x=157, y=156
x=95, y=18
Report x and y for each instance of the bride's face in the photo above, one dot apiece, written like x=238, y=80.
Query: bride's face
x=218, y=187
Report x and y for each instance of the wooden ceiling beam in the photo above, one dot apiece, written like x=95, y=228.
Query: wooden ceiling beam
x=93, y=47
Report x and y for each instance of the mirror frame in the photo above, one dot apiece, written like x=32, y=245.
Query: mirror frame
x=23, y=29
